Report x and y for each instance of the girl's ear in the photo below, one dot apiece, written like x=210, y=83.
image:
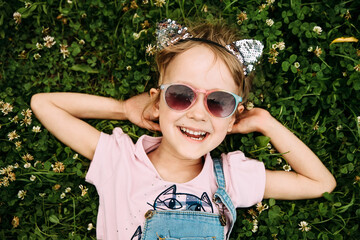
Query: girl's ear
x=240, y=108
x=155, y=99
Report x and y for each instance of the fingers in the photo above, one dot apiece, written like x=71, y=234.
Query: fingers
x=149, y=124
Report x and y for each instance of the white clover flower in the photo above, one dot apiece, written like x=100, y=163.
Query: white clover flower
x=358, y=119
x=261, y=207
x=318, y=51
x=269, y=2
x=296, y=64
x=4, y=182
x=317, y=30
x=9, y=168
x=81, y=42
x=287, y=168
x=27, y=157
x=242, y=16
x=11, y=176
x=150, y=49
x=36, y=129
x=27, y=165
x=269, y=22
x=26, y=121
x=17, y=17
x=14, y=119
x=304, y=226
x=255, y=226
x=68, y=189
x=15, y=222
x=26, y=112
x=310, y=49
x=281, y=45
x=204, y=8
x=357, y=68
x=32, y=178
x=37, y=56
x=145, y=1
x=62, y=195
x=58, y=167
x=83, y=190
x=64, y=51
x=76, y=156
x=21, y=194
x=42, y=194
x=136, y=36
x=6, y=108
x=13, y=135
x=69, y=2
x=39, y=46
x=262, y=7
x=16, y=165
x=90, y=226
x=159, y=3
x=279, y=161
x=27, y=4
x=49, y=41
x=249, y=105
x=338, y=128
x=128, y=68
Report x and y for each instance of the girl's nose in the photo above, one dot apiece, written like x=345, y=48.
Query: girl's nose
x=198, y=111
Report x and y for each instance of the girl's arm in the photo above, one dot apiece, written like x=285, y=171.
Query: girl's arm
x=310, y=178
x=61, y=114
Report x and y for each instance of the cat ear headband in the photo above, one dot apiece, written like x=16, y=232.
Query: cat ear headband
x=247, y=51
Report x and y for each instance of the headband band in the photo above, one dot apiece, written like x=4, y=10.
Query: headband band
x=247, y=51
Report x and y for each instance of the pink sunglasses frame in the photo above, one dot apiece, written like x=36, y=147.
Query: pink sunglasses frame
x=206, y=93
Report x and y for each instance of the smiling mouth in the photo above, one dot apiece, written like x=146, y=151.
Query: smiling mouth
x=194, y=135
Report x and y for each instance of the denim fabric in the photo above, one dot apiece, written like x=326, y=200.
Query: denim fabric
x=182, y=225
x=221, y=195
x=191, y=225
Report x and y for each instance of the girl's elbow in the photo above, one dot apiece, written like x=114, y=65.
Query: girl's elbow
x=36, y=101
x=329, y=185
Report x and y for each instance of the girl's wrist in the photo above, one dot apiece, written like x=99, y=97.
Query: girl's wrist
x=268, y=124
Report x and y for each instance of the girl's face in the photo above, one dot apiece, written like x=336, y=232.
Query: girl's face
x=197, y=68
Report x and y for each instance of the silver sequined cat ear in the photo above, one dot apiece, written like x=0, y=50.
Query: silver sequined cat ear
x=169, y=32
x=248, y=51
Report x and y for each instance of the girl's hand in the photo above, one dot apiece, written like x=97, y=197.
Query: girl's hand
x=251, y=121
x=139, y=112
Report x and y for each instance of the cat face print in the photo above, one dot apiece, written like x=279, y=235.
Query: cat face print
x=172, y=200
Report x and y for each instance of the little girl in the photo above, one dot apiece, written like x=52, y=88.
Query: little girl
x=170, y=187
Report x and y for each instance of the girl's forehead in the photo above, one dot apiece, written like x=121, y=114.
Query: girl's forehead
x=200, y=68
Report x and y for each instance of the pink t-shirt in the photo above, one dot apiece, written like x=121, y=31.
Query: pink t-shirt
x=129, y=185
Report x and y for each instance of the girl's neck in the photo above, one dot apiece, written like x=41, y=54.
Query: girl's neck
x=173, y=169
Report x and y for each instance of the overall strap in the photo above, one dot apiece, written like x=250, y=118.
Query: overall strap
x=221, y=196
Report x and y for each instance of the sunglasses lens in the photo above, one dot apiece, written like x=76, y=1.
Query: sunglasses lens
x=179, y=97
x=221, y=104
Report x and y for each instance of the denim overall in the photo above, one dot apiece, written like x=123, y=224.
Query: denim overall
x=192, y=225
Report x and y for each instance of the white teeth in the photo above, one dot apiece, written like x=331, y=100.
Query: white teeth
x=198, y=133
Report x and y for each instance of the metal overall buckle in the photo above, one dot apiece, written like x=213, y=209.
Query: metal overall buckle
x=222, y=217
